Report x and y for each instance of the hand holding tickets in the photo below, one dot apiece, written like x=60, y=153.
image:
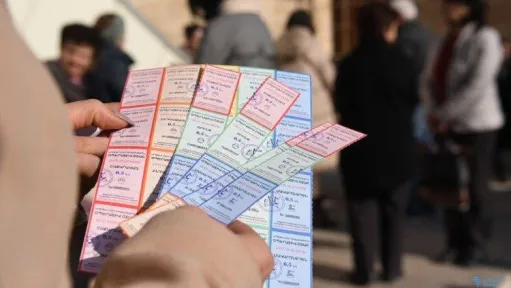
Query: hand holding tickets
x=103, y=116
x=237, y=142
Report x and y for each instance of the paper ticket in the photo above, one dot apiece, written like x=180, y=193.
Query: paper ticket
x=231, y=201
x=207, y=118
x=132, y=226
x=157, y=100
x=238, y=143
x=286, y=212
x=204, y=194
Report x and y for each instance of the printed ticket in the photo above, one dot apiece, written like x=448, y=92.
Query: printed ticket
x=207, y=118
x=202, y=195
x=231, y=201
x=270, y=218
x=251, y=79
x=133, y=225
x=158, y=101
x=241, y=139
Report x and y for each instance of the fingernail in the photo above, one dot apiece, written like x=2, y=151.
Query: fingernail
x=125, y=118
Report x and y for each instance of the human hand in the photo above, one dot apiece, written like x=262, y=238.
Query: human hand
x=197, y=250
x=88, y=113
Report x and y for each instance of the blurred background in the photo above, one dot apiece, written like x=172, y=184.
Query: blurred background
x=159, y=33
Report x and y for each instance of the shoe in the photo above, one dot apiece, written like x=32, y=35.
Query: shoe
x=445, y=256
x=390, y=278
x=463, y=260
x=360, y=279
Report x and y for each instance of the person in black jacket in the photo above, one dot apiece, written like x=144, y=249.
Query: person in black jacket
x=376, y=93
x=113, y=64
x=80, y=47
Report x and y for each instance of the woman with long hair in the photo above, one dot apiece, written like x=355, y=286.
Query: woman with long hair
x=461, y=85
x=376, y=93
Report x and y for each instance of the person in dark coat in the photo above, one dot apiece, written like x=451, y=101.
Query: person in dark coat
x=113, y=64
x=414, y=38
x=235, y=35
x=376, y=93
x=79, y=48
x=502, y=169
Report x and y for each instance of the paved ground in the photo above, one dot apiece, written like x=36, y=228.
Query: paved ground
x=424, y=238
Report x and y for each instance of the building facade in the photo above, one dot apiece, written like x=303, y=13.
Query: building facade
x=334, y=18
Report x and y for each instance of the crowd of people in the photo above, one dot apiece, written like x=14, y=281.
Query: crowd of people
x=414, y=94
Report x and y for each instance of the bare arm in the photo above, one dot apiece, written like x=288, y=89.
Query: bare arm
x=38, y=177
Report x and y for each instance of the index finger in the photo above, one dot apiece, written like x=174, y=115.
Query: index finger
x=94, y=113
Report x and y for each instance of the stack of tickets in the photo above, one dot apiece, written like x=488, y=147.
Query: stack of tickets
x=237, y=142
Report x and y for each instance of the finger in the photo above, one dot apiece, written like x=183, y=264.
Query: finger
x=114, y=107
x=256, y=245
x=91, y=145
x=238, y=227
x=88, y=164
x=94, y=113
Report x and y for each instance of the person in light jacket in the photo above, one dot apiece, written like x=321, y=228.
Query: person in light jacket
x=235, y=34
x=461, y=84
x=300, y=51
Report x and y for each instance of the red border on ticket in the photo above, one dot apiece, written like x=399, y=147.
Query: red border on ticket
x=290, y=104
x=358, y=136
x=232, y=98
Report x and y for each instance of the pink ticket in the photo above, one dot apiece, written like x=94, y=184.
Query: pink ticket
x=139, y=134
x=180, y=83
x=215, y=89
x=142, y=87
x=270, y=103
x=331, y=140
x=295, y=140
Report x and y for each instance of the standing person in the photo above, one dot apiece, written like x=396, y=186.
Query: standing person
x=193, y=35
x=502, y=171
x=299, y=50
x=415, y=40
x=113, y=64
x=461, y=84
x=79, y=48
x=235, y=35
x=376, y=93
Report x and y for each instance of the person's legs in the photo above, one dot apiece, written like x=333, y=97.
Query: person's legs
x=362, y=214
x=392, y=214
x=452, y=220
x=478, y=220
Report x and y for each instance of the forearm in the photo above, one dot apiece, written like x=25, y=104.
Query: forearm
x=38, y=179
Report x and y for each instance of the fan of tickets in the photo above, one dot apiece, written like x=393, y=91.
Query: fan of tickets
x=238, y=142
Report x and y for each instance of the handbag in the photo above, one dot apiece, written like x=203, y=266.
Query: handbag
x=444, y=177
